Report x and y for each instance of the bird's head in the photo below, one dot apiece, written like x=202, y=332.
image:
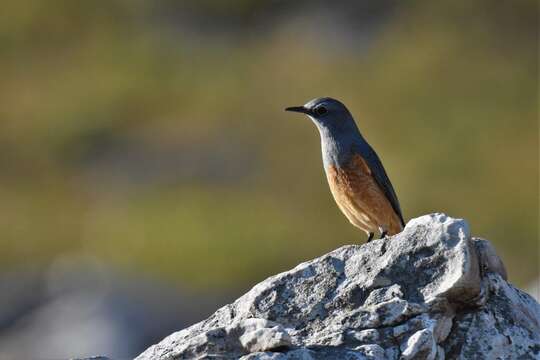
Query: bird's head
x=329, y=115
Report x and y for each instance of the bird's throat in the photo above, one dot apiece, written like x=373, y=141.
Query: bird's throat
x=335, y=152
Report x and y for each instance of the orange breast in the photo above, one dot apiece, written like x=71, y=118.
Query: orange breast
x=360, y=198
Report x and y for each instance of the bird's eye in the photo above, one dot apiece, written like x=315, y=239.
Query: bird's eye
x=320, y=110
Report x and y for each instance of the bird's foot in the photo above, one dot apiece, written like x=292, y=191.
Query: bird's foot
x=370, y=236
x=384, y=235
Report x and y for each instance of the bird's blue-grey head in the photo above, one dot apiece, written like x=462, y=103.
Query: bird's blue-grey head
x=330, y=115
x=339, y=133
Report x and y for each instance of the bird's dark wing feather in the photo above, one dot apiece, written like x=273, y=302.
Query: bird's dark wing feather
x=379, y=174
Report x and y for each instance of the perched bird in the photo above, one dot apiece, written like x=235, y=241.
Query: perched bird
x=355, y=174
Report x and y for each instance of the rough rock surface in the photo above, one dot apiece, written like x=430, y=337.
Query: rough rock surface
x=430, y=292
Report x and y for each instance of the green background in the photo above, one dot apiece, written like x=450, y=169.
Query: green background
x=154, y=138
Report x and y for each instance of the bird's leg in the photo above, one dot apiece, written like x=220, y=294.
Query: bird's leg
x=383, y=232
x=370, y=236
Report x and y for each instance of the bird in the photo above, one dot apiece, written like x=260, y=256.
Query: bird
x=355, y=174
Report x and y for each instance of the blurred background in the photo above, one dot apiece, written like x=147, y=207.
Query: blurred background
x=148, y=172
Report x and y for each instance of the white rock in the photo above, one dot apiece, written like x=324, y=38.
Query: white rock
x=261, y=335
x=430, y=292
x=421, y=345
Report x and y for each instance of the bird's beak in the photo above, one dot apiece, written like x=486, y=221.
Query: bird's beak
x=299, y=109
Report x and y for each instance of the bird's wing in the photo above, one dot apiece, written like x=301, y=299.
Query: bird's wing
x=379, y=174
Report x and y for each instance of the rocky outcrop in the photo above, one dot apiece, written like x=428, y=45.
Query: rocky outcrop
x=430, y=292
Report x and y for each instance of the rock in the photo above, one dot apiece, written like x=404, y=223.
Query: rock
x=262, y=335
x=421, y=344
x=430, y=292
